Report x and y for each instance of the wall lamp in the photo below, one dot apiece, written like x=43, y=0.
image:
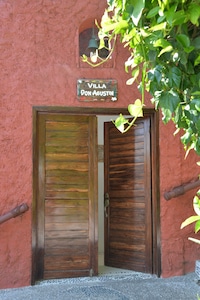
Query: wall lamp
x=93, y=47
x=89, y=45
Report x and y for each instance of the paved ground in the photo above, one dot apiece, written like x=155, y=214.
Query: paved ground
x=119, y=287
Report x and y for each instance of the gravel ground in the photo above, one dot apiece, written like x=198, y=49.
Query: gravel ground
x=121, y=287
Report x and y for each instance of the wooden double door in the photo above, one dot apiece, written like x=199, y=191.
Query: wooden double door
x=65, y=202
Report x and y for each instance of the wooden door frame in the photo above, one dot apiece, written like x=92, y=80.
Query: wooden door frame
x=154, y=120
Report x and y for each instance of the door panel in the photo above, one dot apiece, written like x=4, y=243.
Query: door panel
x=128, y=218
x=65, y=209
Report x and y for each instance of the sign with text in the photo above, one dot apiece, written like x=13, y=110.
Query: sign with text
x=97, y=90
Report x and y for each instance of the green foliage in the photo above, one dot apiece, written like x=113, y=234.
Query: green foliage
x=135, y=110
x=189, y=221
x=194, y=219
x=163, y=38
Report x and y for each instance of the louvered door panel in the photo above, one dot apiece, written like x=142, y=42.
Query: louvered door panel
x=128, y=229
x=67, y=196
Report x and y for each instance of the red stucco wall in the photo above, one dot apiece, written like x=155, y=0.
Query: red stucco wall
x=178, y=253
x=39, y=65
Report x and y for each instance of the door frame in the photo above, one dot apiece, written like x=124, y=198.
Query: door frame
x=154, y=121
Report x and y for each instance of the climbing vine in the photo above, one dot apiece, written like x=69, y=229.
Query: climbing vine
x=163, y=38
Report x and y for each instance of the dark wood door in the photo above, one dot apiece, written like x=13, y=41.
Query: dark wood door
x=128, y=218
x=65, y=193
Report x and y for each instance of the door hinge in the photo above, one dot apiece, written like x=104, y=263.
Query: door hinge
x=106, y=203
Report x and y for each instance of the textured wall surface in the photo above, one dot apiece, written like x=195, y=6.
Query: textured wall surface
x=39, y=66
x=178, y=253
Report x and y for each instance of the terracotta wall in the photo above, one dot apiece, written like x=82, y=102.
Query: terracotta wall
x=39, y=66
x=178, y=253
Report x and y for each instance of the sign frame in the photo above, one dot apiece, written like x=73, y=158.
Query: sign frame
x=91, y=90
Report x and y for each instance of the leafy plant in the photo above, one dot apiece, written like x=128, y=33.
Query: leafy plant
x=194, y=219
x=163, y=38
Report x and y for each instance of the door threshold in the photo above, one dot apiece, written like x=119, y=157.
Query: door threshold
x=111, y=271
x=105, y=274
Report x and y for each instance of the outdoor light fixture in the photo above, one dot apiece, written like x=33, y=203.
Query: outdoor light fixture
x=93, y=47
x=89, y=45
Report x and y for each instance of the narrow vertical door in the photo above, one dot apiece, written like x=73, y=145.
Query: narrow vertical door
x=128, y=207
x=65, y=208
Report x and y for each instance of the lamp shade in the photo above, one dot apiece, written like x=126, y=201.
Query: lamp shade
x=93, y=43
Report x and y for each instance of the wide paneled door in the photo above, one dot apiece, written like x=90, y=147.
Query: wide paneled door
x=128, y=216
x=65, y=184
